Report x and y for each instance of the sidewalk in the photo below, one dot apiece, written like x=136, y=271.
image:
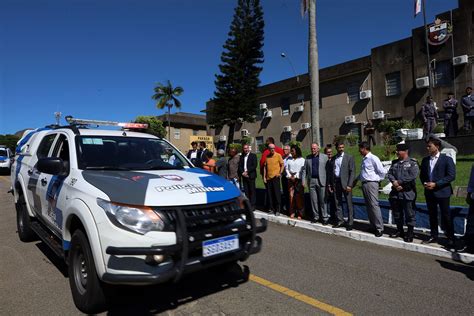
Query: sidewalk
x=415, y=246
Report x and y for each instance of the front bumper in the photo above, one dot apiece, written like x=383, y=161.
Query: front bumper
x=186, y=255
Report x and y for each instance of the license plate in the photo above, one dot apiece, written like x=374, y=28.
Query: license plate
x=220, y=245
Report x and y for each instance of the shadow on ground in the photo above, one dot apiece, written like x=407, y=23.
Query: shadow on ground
x=467, y=270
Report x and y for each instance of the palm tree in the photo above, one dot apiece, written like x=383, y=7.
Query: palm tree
x=166, y=95
x=314, y=72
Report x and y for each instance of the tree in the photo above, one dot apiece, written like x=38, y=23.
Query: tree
x=314, y=72
x=9, y=141
x=166, y=95
x=236, y=85
x=155, y=126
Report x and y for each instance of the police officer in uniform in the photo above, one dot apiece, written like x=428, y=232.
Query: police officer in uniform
x=429, y=112
x=450, y=115
x=468, y=108
x=403, y=174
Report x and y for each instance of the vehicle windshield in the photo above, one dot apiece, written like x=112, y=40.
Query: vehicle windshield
x=3, y=152
x=127, y=153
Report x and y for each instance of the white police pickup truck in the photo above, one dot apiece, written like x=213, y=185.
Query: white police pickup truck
x=124, y=207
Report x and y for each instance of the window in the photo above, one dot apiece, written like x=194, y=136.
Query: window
x=393, y=84
x=285, y=106
x=443, y=73
x=177, y=133
x=61, y=150
x=195, y=132
x=258, y=142
x=286, y=138
x=353, y=92
x=45, y=145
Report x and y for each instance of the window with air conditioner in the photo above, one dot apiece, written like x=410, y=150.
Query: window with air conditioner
x=285, y=106
x=353, y=90
x=393, y=84
x=443, y=73
x=258, y=142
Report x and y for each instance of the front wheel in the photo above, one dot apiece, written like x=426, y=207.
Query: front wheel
x=87, y=290
x=23, y=221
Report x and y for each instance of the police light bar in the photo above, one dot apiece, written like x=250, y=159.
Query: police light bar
x=76, y=121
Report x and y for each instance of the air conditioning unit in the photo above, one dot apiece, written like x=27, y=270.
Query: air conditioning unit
x=305, y=125
x=349, y=119
x=268, y=114
x=366, y=94
x=263, y=106
x=422, y=82
x=299, y=108
x=240, y=120
x=244, y=133
x=378, y=115
x=460, y=60
x=286, y=129
x=222, y=138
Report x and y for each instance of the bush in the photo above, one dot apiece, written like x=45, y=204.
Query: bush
x=261, y=148
x=246, y=141
x=341, y=139
x=352, y=139
x=439, y=128
x=237, y=146
x=295, y=143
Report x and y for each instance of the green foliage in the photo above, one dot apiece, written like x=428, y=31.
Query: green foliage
x=295, y=143
x=262, y=147
x=166, y=95
x=246, y=141
x=237, y=146
x=341, y=139
x=155, y=126
x=9, y=141
x=439, y=128
x=236, y=85
x=352, y=139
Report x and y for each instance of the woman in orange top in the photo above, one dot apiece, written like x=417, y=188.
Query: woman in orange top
x=209, y=164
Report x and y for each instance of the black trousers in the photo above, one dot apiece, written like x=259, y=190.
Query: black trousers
x=447, y=224
x=403, y=211
x=285, y=202
x=451, y=126
x=249, y=189
x=274, y=194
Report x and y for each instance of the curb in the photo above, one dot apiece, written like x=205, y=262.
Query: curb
x=368, y=237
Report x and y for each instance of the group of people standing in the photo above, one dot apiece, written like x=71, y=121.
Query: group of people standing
x=429, y=113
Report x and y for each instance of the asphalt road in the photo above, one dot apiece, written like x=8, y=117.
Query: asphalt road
x=298, y=272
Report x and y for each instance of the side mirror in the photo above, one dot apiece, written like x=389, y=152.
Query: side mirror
x=51, y=165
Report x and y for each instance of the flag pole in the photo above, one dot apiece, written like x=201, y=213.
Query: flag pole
x=428, y=61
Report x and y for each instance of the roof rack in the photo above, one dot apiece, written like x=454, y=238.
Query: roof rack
x=85, y=122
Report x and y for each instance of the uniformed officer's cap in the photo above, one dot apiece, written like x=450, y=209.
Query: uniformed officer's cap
x=402, y=147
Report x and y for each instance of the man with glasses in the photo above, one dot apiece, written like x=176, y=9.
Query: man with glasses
x=248, y=173
x=273, y=168
x=341, y=181
x=402, y=174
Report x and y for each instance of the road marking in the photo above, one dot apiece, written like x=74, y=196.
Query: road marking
x=298, y=296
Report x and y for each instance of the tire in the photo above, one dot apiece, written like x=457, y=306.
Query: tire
x=23, y=221
x=87, y=290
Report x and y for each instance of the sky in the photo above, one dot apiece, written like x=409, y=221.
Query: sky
x=101, y=59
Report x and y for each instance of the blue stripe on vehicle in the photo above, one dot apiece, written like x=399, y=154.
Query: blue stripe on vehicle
x=66, y=244
x=211, y=180
x=27, y=137
x=18, y=166
x=52, y=194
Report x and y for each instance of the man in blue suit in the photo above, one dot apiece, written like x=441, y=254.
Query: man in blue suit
x=437, y=173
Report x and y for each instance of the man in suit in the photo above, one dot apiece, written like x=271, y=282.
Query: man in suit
x=437, y=173
x=202, y=151
x=468, y=109
x=314, y=173
x=248, y=173
x=192, y=153
x=340, y=181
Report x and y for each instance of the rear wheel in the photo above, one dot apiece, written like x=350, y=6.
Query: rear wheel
x=23, y=221
x=87, y=290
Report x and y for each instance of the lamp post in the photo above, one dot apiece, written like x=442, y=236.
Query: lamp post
x=283, y=55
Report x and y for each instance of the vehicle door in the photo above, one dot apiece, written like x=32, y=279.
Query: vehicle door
x=51, y=186
x=33, y=175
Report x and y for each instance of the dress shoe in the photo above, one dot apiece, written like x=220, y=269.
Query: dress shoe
x=277, y=213
x=451, y=245
x=396, y=234
x=430, y=240
x=313, y=221
x=325, y=223
x=408, y=239
x=348, y=227
x=337, y=225
x=378, y=234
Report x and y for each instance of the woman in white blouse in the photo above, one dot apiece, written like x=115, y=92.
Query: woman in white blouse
x=293, y=171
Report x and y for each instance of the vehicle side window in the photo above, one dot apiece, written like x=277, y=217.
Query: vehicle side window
x=61, y=150
x=45, y=146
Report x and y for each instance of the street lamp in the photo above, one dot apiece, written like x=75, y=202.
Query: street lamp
x=283, y=55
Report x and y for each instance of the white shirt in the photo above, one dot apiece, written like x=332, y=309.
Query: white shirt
x=371, y=168
x=433, y=161
x=337, y=165
x=294, y=167
x=285, y=160
x=246, y=157
x=194, y=154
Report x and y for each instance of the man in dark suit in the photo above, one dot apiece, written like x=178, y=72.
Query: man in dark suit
x=340, y=181
x=314, y=172
x=437, y=173
x=248, y=173
x=193, y=153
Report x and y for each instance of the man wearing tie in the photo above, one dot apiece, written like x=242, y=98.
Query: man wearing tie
x=248, y=173
x=437, y=173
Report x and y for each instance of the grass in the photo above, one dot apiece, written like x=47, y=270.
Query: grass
x=463, y=170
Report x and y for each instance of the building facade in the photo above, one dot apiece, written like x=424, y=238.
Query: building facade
x=390, y=83
x=183, y=127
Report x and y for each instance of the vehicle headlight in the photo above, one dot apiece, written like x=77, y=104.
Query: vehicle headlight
x=140, y=219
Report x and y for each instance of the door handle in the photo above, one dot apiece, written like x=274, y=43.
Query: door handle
x=30, y=172
x=44, y=182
